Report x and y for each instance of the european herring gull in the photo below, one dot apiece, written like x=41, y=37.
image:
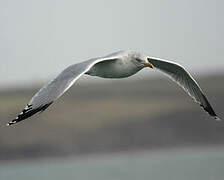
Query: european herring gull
x=121, y=64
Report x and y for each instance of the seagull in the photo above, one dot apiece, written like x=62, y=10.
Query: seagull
x=120, y=64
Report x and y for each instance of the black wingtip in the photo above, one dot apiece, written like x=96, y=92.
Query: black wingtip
x=209, y=109
x=14, y=121
x=217, y=118
x=27, y=112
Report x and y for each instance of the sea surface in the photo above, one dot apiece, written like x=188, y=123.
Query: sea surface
x=173, y=164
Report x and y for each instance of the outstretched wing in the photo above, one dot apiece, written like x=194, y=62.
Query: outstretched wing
x=183, y=78
x=55, y=88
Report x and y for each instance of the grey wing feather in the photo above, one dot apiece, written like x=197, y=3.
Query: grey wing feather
x=178, y=74
x=55, y=88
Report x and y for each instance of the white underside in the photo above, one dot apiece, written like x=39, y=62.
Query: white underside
x=113, y=69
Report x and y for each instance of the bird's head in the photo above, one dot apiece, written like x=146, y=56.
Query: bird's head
x=141, y=60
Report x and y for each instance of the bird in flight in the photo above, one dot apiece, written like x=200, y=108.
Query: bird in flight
x=121, y=64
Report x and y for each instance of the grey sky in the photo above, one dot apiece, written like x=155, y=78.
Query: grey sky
x=40, y=38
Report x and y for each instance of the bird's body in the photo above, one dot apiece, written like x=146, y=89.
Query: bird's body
x=122, y=67
x=117, y=65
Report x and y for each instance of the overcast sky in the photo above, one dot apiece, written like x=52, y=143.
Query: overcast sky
x=38, y=39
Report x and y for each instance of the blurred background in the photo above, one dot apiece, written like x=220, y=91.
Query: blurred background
x=136, y=128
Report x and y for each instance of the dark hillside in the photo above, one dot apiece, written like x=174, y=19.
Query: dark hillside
x=122, y=115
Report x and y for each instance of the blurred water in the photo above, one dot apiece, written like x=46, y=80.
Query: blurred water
x=200, y=164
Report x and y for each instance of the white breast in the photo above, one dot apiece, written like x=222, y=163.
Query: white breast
x=113, y=69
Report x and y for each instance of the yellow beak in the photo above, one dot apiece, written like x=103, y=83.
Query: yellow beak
x=148, y=64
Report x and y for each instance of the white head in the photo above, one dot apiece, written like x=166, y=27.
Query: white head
x=139, y=59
